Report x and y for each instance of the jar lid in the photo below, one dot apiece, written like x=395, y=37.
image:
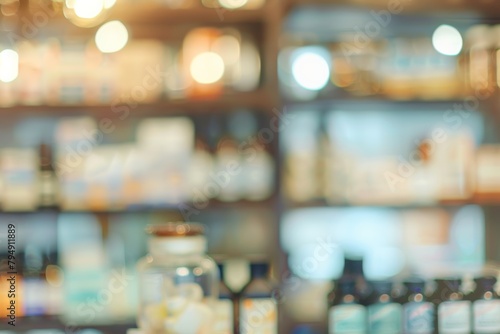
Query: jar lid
x=178, y=229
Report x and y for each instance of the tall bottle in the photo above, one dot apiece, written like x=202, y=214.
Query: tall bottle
x=418, y=312
x=258, y=308
x=258, y=165
x=453, y=311
x=353, y=269
x=346, y=314
x=384, y=313
x=48, y=196
x=224, y=308
x=486, y=306
x=227, y=174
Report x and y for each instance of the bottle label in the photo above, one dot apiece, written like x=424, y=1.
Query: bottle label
x=384, y=318
x=223, y=317
x=454, y=317
x=347, y=319
x=418, y=318
x=258, y=316
x=486, y=316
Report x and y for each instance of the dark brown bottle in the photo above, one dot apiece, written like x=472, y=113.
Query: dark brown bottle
x=453, y=310
x=225, y=309
x=258, y=307
x=485, y=306
x=346, y=314
x=48, y=185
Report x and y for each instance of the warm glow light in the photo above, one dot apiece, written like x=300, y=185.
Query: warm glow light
x=111, y=37
x=447, y=40
x=232, y=4
x=311, y=70
x=88, y=9
x=9, y=65
x=229, y=48
x=207, y=68
x=109, y=3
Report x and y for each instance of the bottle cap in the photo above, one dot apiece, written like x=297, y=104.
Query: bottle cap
x=415, y=285
x=382, y=286
x=178, y=229
x=353, y=266
x=486, y=282
x=451, y=283
x=177, y=239
x=347, y=286
x=259, y=270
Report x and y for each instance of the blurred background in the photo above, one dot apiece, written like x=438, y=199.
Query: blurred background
x=360, y=129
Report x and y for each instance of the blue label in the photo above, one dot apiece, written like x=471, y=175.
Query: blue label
x=418, y=318
x=385, y=318
x=347, y=319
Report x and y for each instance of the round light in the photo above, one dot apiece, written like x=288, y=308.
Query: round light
x=9, y=65
x=311, y=70
x=111, y=37
x=447, y=40
x=88, y=9
x=233, y=4
x=207, y=68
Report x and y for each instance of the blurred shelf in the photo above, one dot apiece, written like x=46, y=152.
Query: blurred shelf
x=375, y=102
x=321, y=203
x=171, y=208
x=461, y=9
x=145, y=20
x=158, y=13
x=50, y=322
x=259, y=100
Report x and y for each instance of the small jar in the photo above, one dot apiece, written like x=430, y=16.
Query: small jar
x=178, y=282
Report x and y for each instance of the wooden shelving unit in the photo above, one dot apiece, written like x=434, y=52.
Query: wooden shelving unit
x=259, y=100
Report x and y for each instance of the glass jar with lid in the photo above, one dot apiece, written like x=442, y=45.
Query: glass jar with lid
x=178, y=282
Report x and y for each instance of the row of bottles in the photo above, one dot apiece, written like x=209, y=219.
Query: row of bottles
x=324, y=159
x=55, y=72
x=357, y=306
x=174, y=160
x=38, y=280
x=252, y=309
x=401, y=68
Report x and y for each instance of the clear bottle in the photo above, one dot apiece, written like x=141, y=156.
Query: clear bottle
x=178, y=283
x=418, y=313
x=258, y=311
x=486, y=306
x=453, y=311
x=384, y=313
x=346, y=314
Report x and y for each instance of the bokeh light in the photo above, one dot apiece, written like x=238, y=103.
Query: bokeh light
x=233, y=4
x=88, y=9
x=207, y=68
x=447, y=40
x=9, y=65
x=310, y=69
x=111, y=37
